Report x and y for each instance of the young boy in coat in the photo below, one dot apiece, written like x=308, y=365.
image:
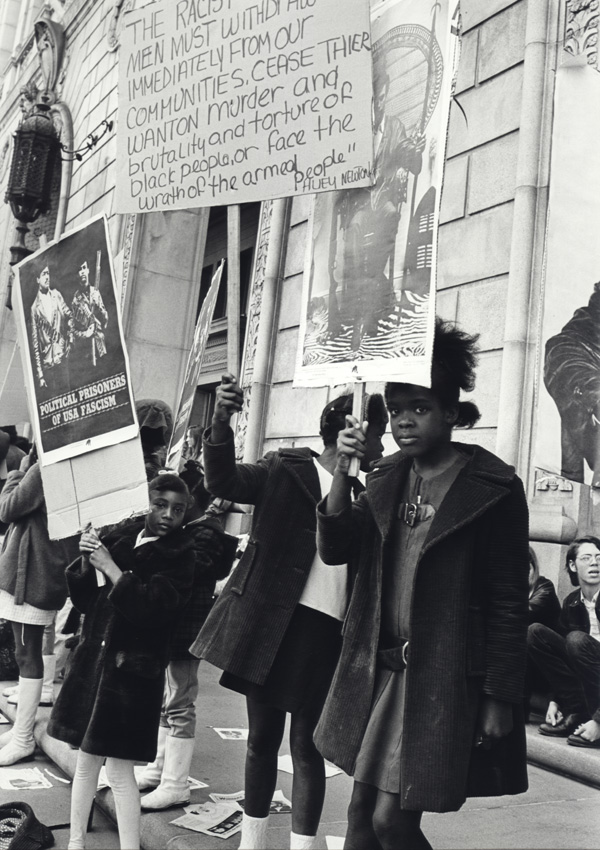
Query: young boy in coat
x=425, y=707
x=110, y=703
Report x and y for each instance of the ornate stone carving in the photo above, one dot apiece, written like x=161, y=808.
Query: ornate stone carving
x=50, y=42
x=556, y=483
x=130, y=224
x=114, y=26
x=581, y=29
x=256, y=293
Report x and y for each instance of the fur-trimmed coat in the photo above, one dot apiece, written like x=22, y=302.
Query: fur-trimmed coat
x=468, y=631
x=111, y=700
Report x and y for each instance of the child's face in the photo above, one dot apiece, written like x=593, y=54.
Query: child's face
x=419, y=423
x=587, y=564
x=166, y=514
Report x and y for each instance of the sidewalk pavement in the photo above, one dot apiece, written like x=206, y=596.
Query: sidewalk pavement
x=557, y=813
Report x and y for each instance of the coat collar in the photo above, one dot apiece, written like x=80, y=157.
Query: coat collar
x=300, y=464
x=483, y=481
x=171, y=546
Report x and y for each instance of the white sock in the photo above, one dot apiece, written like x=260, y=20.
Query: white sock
x=85, y=784
x=302, y=842
x=127, y=801
x=254, y=832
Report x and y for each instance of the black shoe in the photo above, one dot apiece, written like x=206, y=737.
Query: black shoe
x=563, y=729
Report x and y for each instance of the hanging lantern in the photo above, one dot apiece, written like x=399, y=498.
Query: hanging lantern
x=35, y=150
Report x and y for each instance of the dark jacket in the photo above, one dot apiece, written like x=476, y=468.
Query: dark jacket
x=248, y=621
x=32, y=567
x=574, y=616
x=468, y=634
x=544, y=606
x=214, y=556
x=111, y=700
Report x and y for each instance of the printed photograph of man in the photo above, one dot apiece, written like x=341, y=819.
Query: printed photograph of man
x=50, y=330
x=90, y=319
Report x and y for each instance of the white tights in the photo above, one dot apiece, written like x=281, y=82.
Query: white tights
x=125, y=792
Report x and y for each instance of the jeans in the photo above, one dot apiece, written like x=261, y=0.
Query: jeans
x=571, y=665
x=181, y=691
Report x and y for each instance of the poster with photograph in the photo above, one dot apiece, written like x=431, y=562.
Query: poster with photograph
x=71, y=340
x=369, y=281
x=567, y=437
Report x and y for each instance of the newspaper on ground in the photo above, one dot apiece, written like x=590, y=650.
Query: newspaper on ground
x=279, y=804
x=284, y=763
x=221, y=820
x=334, y=842
x=232, y=734
x=23, y=779
x=103, y=782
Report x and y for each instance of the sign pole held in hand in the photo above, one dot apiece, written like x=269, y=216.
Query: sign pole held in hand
x=358, y=411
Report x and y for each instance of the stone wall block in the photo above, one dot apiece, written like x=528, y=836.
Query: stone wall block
x=474, y=12
x=284, y=362
x=476, y=247
x=502, y=42
x=454, y=192
x=290, y=302
x=492, y=109
x=493, y=173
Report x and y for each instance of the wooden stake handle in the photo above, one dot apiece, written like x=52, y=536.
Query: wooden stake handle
x=358, y=403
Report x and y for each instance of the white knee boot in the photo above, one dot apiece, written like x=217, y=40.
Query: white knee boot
x=150, y=775
x=47, y=697
x=22, y=743
x=173, y=789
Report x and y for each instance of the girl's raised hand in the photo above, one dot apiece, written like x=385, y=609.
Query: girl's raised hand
x=350, y=443
x=89, y=541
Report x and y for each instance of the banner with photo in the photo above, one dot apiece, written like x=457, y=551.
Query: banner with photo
x=368, y=307
x=72, y=345
x=192, y=371
x=567, y=435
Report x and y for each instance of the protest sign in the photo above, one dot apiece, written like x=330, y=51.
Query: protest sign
x=192, y=371
x=369, y=284
x=226, y=101
x=71, y=342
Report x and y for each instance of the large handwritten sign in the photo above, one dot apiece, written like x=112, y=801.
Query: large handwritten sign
x=226, y=101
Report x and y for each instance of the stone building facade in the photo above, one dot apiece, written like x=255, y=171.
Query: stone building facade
x=491, y=237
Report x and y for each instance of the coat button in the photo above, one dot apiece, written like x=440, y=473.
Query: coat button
x=103, y=643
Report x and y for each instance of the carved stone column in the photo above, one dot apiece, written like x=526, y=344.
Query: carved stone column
x=581, y=29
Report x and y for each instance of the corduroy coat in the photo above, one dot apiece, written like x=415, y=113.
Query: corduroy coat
x=468, y=631
x=111, y=700
x=249, y=619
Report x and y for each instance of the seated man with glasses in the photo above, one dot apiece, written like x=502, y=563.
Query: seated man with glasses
x=570, y=660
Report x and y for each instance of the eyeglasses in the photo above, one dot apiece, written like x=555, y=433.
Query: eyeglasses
x=587, y=559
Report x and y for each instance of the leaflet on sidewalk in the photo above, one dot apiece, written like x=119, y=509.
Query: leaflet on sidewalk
x=232, y=734
x=221, y=820
x=280, y=804
x=23, y=779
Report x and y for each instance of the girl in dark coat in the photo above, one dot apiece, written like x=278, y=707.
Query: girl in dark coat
x=110, y=703
x=426, y=704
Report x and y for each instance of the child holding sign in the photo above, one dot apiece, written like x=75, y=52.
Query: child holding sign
x=110, y=703
x=426, y=705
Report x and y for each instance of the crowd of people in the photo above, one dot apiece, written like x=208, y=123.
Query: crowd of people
x=400, y=620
